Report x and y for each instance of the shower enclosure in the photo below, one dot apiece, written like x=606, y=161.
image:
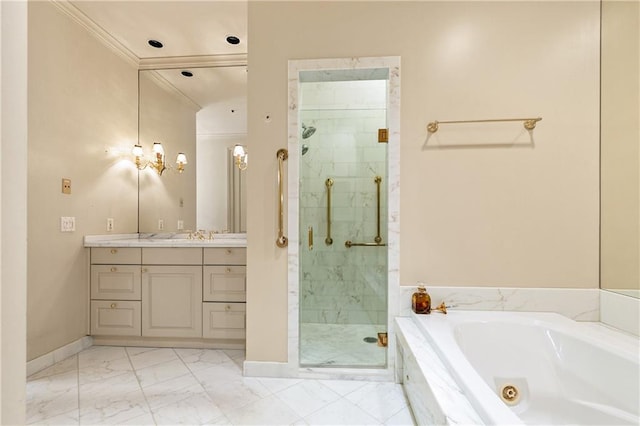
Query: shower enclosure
x=343, y=220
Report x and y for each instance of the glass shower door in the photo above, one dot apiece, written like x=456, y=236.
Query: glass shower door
x=342, y=217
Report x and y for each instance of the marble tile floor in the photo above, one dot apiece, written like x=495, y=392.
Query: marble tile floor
x=166, y=386
x=341, y=345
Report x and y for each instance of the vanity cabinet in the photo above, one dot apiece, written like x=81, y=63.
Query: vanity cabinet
x=224, y=293
x=116, y=291
x=179, y=293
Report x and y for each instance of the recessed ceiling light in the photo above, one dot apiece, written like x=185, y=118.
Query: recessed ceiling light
x=155, y=43
x=233, y=39
x=187, y=73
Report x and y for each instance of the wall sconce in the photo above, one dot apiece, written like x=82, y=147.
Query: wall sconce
x=158, y=164
x=241, y=157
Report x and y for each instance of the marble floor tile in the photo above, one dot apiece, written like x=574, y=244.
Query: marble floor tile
x=199, y=359
x=266, y=411
x=307, y=397
x=149, y=386
x=160, y=372
x=51, y=396
x=146, y=357
x=341, y=412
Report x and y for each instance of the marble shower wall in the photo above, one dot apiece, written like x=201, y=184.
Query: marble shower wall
x=340, y=285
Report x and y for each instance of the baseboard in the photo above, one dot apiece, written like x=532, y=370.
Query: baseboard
x=267, y=369
x=47, y=360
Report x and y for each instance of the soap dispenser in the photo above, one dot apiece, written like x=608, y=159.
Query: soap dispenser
x=421, y=301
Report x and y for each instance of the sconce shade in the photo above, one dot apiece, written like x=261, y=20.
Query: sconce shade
x=181, y=158
x=238, y=151
x=157, y=148
x=137, y=151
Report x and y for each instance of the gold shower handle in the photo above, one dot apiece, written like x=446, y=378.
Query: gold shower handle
x=310, y=238
x=328, y=183
x=282, y=155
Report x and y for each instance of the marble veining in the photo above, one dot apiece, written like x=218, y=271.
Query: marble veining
x=164, y=240
x=209, y=390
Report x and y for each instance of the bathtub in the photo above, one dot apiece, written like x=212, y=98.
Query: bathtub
x=538, y=368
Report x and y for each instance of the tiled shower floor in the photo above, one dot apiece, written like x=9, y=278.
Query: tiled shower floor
x=146, y=386
x=341, y=345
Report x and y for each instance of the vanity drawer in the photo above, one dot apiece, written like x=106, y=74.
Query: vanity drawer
x=225, y=256
x=115, y=282
x=115, y=318
x=223, y=320
x=224, y=284
x=171, y=256
x=116, y=255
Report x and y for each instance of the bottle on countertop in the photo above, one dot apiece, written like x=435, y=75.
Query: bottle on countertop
x=421, y=301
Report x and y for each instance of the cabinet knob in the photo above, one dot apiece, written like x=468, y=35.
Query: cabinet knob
x=113, y=305
x=228, y=270
x=229, y=251
x=114, y=269
x=144, y=270
x=227, y=308
x=114, y=251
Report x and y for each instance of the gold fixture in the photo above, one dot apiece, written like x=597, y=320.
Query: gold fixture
x=383, y=339
x=529, y=123
x=510, y=394
x=241, y=157
x=441, y=308
x=310, y=238
x=328, y=183
x=158, y=164
x=282, y=155
x=378, y=239
x=383, y=135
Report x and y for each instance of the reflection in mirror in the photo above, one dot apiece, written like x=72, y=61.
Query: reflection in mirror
x=202, y=113
x=620, y=152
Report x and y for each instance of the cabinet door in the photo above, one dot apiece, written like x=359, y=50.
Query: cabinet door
x=224, y=320
x=172, y=301
x=115, y=282
x=224, y=284
x=115, y=318
x=225, y=256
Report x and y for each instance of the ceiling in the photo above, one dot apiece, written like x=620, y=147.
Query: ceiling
x=186, y=28
x=193, y=29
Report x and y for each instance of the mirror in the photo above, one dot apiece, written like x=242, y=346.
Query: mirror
x=620, y=153
x=201, y=112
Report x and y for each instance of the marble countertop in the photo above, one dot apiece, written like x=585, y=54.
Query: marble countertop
x=164, y=240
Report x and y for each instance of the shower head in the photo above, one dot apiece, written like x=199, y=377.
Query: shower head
x=305, y=148
x=307, y=131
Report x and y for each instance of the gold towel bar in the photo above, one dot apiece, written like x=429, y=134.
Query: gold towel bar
x=350, y=244
x=529, y=123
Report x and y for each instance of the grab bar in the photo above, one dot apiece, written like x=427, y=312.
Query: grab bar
x=350, y=244
x=328, y=183
x=378, y=180
x=378, y=239
x=282, y=155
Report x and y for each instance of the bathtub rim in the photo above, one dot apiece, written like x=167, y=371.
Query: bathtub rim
x=441, y=336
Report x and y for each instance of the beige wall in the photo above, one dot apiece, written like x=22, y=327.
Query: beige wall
x=522, y=217
x=82, y=123
x=620, y=132
x=168, y=117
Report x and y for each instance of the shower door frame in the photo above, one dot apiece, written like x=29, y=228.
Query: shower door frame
x=392, y=65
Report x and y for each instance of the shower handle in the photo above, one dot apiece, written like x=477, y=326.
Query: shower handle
x=310, y=238
x=328, y=183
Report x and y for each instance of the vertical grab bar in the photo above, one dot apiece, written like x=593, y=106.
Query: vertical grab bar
x=328, y=183
x=282, y=155
x=378, y=238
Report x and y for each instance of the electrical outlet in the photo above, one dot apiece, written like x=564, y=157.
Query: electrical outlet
x=180, y=225
x=67, y=224
x=66, y=186
x=109, y=224
x=160, y=225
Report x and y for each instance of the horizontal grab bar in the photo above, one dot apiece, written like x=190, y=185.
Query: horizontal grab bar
x=350, y=244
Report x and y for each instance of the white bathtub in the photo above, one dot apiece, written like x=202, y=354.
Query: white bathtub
x=565, y=372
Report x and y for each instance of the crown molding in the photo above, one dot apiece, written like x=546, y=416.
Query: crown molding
x=162, y=82
x=232, y=60
x=97, y=31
